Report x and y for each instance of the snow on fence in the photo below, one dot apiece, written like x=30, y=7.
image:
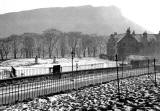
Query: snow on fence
x=82, y=67
x=31, y=71
x=4, y=74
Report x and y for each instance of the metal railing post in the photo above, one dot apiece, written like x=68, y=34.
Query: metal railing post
x=122, y=68
x=148, y=67
x=117, y=76
x=18, y=93
x=155, y=72
x=73, y=55
x=2, y=95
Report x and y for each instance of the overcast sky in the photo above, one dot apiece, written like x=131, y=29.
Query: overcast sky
x=143, y=12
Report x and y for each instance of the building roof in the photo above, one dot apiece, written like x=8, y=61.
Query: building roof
x=138, y=37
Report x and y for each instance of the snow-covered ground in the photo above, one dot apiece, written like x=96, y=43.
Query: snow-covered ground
x=26, y=67
x=61, y=61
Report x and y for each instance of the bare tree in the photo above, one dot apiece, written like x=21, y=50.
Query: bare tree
x=6, y=47
x=15, y=43
x=39, y=46
x=73, y=40
x=51, y=38
x=101, y=44
x=43, y=50
x=90, y=46
x=94, y=45
x=63, y=45
x=1, y=50
x=85, y=42
x=28, y=44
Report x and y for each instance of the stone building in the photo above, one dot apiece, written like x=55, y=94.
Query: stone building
x=128, y=44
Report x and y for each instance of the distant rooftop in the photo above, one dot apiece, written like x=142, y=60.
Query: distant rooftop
x=138, y=37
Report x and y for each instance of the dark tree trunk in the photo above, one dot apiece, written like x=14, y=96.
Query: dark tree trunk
x=50, y=55
x=43, y=53
x=84, y=53
x=94, y=52
x=15, y=55
x=89, y=52
x=63, y=52
x=1, y=55
x=6, y=56
x=57, y=52
x=50, y=52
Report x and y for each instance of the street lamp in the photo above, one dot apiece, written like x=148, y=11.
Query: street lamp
x=72, y=53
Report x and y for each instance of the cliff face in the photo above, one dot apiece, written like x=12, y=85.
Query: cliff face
x=87, y=19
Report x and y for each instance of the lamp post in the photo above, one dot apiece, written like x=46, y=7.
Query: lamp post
x=72, y=53
x=155, y=72
x=117, y=76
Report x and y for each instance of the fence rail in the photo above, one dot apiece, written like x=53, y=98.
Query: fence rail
x=32, y=71
x=13, y=93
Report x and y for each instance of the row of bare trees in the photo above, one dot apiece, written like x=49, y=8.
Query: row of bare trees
x=51, y=43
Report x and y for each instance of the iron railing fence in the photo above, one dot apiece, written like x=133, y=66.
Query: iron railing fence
x=13, y=93
x=32, y=71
